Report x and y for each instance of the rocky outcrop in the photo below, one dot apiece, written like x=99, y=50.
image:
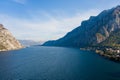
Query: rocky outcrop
x=92, y=32
x=7, y=41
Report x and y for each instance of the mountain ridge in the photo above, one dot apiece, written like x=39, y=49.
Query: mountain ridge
x=28, y=43
x=91, y=32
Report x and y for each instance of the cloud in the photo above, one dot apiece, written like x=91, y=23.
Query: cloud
x=36, y=28
x=20, y=1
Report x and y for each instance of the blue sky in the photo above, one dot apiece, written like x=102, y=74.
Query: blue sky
x=48, y=19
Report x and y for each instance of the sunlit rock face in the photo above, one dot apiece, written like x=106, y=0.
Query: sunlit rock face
x=7, y=41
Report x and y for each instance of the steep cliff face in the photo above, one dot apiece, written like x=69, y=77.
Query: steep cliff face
x=92, y=32
x=113, y=40
x=7, y=41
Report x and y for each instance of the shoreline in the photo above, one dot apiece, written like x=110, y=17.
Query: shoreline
x=115, y=56
x=4, y=50
x=110, y=53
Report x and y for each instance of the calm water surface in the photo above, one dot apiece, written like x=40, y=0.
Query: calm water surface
x=56, y=63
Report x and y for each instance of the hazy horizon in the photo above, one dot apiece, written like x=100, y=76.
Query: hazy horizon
x=48, y=19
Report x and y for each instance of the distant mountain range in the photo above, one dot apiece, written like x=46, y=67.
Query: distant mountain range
x=7, y=41
x=100, y=30
x=30, y=42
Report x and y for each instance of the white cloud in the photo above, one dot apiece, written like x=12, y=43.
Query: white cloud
x=38, y=29
x=20, y=1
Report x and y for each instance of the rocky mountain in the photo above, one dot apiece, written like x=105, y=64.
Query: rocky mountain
x=113, y=40
x=97, y=30
x=7, y=41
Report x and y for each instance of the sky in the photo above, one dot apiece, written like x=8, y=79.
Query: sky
x=43, y=20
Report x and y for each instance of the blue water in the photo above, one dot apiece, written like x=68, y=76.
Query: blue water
x=56, y=63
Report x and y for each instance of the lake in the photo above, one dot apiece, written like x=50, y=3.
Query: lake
x=56, y=63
